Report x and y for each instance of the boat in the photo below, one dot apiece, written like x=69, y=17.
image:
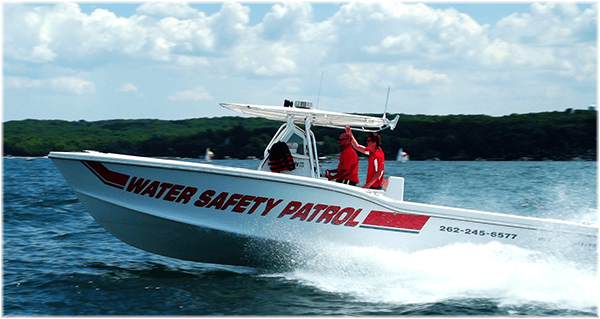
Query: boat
x=277, y=214
x=208, y=155
x=402, y=156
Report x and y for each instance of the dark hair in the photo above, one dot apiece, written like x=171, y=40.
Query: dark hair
x=375, y=138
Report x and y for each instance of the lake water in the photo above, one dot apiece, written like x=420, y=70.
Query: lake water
x=58, y=261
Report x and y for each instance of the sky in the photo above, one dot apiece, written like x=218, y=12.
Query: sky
x=177, y=60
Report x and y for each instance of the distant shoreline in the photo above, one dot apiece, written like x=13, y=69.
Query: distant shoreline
x=364, y=159
x=553, y=136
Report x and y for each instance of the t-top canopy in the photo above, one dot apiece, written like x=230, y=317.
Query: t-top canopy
x=316, y=117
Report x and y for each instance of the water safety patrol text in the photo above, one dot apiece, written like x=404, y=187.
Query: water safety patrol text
x=244, y=203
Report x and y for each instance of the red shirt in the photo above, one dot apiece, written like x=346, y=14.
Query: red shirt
x=376, y=162
x=349, y=162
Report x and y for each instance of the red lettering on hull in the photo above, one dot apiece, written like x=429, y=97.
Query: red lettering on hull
x=137, y=184
x=249, y=204
x=204, y=198
x=303, y=212
x=186, y=195
x=241, y=206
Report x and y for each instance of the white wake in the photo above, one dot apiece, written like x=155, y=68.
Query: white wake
x=507, y=274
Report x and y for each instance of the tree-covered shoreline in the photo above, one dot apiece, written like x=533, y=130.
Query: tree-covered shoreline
x=555, y=136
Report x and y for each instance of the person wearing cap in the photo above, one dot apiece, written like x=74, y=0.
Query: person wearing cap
x=347, y=170
x=376, y=166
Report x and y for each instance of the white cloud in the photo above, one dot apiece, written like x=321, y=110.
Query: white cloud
x=191, y=61
x=362, y=47
x=72, y=85
x=174, y=9
x=63, y=84
x=555, y=36
x=359, y=77
x=289, y=85
x=46, y=33
x=276, y=59
x=289, y=41
x=127, y=87
x=291, y=21
x=14, y=82
x=554, y=23
x=198, y=93
x=367, y=77
x=425, y=76
x=408, y=30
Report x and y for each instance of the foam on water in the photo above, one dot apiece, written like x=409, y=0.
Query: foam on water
x=509, y=275
x=570, y=205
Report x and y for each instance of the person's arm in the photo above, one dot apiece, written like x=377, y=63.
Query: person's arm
x=329, y=172
x=355, y=144
x=374, y=179
x=378, y=174
x=341, y=174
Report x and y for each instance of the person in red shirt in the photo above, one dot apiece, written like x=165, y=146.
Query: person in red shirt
x=347, y=170
x=376, y=166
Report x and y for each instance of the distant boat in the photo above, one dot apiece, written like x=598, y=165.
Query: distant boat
x=402, y=156
x=208, y=157
x=325, y=159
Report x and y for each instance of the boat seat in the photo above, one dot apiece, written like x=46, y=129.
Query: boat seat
x=395, y=188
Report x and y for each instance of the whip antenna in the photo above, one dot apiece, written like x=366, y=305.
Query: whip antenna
x=386, y=101
x=319, y=95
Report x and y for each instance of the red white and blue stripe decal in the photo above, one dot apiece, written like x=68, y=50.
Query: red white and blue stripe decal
x=395, y=222
x=107, y=176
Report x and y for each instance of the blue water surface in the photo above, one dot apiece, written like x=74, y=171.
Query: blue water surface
x=58, y=261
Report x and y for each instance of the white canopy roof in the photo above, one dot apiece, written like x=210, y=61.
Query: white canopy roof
x=316, y=117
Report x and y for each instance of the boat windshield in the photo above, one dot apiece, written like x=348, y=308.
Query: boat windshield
x=296, y=144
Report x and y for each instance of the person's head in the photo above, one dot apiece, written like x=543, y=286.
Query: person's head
x=344, y=140
x=374, y=141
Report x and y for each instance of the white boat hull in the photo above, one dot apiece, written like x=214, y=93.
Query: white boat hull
x=206, y=213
